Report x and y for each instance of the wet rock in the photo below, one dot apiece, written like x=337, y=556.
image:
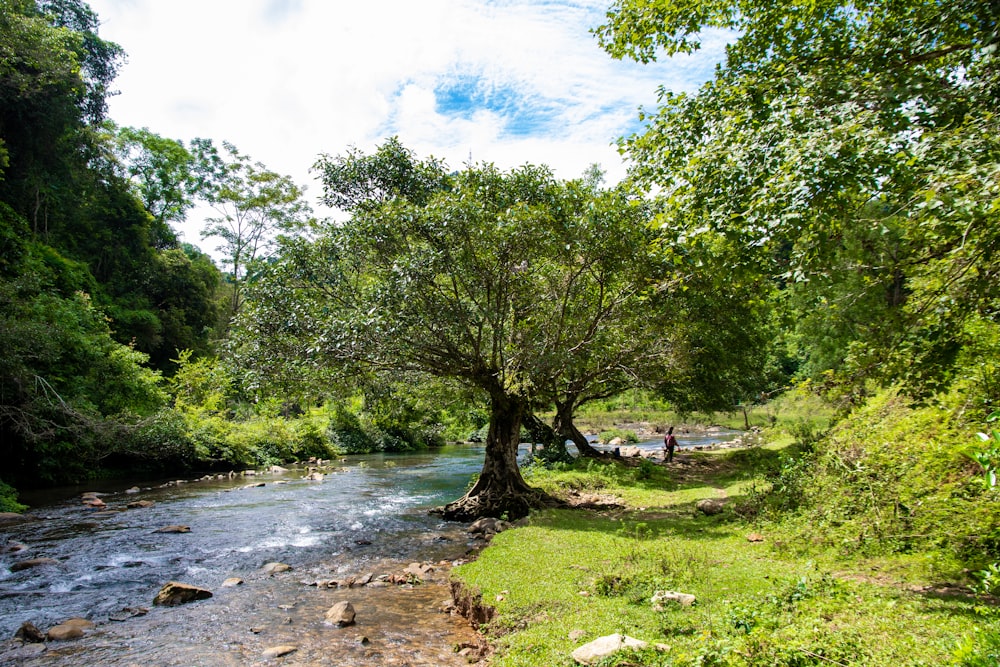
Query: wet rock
x=32, y=562
x=232, y=581
x=420, y=571
x=277, y=469
x=12, y=547
x=29, y=633
x=73, y=628
x=710, y=506
x=683, y=599
x=140, y=503
x=174, y=593
x=602, y=647
x=273, y=568
x=11, y=517
x=364, y=579
x=341, y=614
x=255, y=486
x=315, y=477
x=173, y=529
x=94, y=502
x=278, y=651
x=134, y=489
x=128, y=612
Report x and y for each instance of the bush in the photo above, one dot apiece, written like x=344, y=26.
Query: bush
x=8, y=499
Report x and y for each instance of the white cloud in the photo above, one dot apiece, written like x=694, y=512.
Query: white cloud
x=286, y=80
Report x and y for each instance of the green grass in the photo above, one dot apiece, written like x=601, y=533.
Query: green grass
x=758, y=603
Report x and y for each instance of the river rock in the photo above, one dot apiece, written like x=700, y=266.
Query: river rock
x=12, y=547
x=684, y=599
x=174, y=593
x=272, y=568
x=341, y=614
x=136, y=504
x=616, y=442
x=602, y=647
x=277, y=469
x=173, y=529
x=419, y=570
x=278, y=651
x=631, y=451
x=32, y=562
x=232, y=581
x=94, y=502
x=488, y=526
x=29, y=633
x=314, y=477
x=11, y=517
x=73, y=628
x=710, y=506
x=134, y=489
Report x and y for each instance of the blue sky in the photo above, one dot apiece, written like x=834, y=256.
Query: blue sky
x=505, y=81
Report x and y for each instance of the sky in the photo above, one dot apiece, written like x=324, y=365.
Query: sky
x=502, y=81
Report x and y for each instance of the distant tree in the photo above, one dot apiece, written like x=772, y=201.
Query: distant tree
x=159, y=171
x=851, y=151
x=254, y=206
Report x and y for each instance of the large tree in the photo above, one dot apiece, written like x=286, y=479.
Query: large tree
x=498, y=281
x=851, y=149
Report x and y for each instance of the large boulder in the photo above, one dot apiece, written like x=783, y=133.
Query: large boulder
x=602, y=647
x=174, y=593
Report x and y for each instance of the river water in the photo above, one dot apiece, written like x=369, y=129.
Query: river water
x=369, y=516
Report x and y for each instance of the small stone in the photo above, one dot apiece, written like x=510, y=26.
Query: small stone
x=364, y=641
x=278, y=651
x=272, y=568
x=755, y=537
x=710, y=506
x=134, y=489
x=684, y=599
x=32, y=562
x=136, y=504
x=173, y=529
x=341, y=614
x=232, y=581
x=175, y=593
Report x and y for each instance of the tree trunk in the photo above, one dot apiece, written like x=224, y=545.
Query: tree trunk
x=500, y=490
x=564, y=427
x=553, y=445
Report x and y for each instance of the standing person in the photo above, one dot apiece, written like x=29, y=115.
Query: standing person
x=669, y=445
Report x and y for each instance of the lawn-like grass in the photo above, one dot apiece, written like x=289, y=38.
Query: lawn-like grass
x=585, y=573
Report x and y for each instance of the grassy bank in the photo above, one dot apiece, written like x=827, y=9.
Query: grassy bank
x=764, y=596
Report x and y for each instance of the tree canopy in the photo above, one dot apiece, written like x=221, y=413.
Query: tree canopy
x=851, y=150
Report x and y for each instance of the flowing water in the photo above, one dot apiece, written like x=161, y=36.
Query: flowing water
x=369, y=516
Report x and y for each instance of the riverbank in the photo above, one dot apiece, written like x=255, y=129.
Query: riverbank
x=761, y=596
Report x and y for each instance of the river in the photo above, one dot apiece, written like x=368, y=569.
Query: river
x=368, y=516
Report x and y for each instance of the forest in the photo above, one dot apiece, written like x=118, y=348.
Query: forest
x=821, y=219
